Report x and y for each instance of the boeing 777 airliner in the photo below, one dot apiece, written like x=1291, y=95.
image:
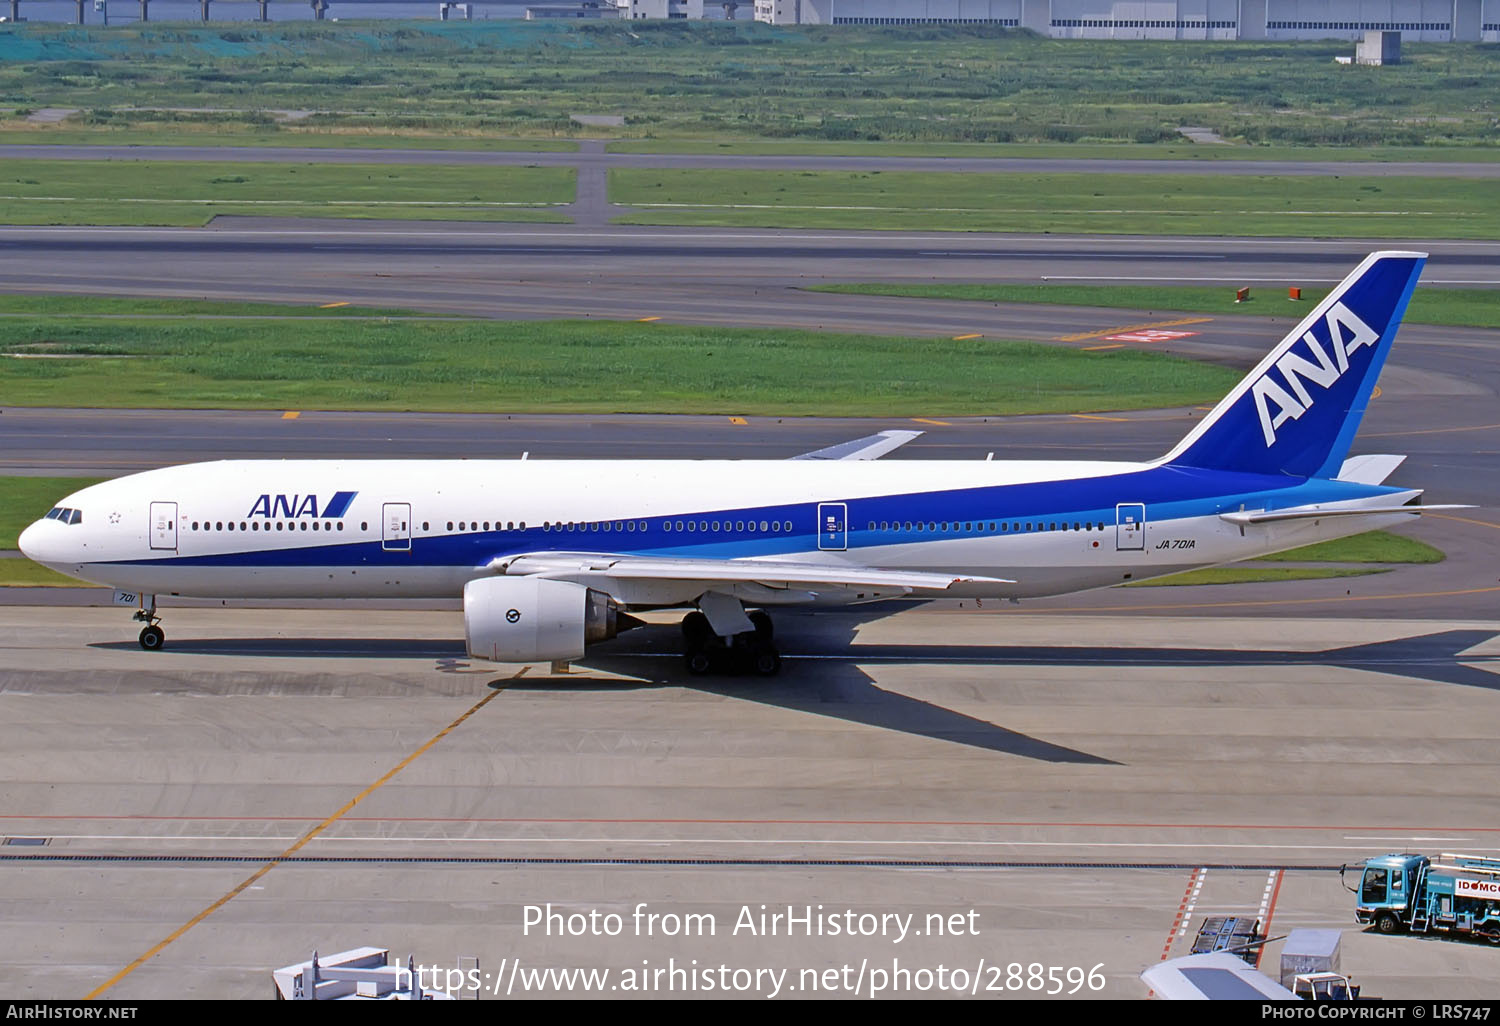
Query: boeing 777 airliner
x=551, y=557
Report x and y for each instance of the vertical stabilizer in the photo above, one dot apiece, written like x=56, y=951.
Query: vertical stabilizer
x=1296, y=413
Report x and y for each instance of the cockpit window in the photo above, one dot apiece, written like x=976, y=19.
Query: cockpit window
x=75, y=516
x=67, y=516
x=54, y=513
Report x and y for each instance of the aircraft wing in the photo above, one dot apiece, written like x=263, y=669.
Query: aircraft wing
x=773, y=573
x=871, y=447
x=1218, y=976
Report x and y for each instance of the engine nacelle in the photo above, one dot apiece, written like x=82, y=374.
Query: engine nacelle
x=531, y=619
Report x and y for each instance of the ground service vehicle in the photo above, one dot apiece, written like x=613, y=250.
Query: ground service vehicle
x=1457, y=894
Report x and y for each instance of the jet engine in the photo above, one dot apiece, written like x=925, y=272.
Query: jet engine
x=532, y=619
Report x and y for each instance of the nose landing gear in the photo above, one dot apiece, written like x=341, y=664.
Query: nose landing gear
x=152, y=637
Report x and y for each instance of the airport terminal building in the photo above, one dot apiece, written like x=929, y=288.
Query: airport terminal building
x=1418, y=21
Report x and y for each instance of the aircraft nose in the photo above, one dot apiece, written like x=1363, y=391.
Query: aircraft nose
x=32, y=543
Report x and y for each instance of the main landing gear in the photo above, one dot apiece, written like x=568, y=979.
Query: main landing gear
x=744, y=651
x=152, y=637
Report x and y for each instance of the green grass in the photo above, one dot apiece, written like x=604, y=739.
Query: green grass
x=147, y=192
x=1183, y=150
x=25, y=499
x=129, y=306
x=1254, y=205
x=23, y=573
x=1370, y=547
x=338, y=363
x=14, y=133
x=1366, y=548
x=1479, y=308
x=709, y=82
x=1253, y=575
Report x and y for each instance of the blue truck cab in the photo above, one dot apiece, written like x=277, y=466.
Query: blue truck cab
x=1458, y=895
x=1386, y=889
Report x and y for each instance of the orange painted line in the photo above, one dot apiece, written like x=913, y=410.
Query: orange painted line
x=1265, y=928
x=1462, y=520
x=1375, y=394
x=1096, y=349
x=1187, y=896
x=924, y=420
x=330, y=306
x=291, y=415
x=646, y=320
x=737, y=420
x=239, y=888
x=1434, y=431
x=1095, y=416
x=1085, y=336
x=965, y=338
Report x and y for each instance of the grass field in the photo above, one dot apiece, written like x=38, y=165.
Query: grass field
x=131, y=306
x=1183, y=150
x=1478, y=308
x=1241, y=574
x=1370, y=547
x=128, y=193
x=1347, y=207
x=24, y=499
x=342, y=363
x=15, y=132
x=23, y=573
x=711, y=82
x=1356, y=552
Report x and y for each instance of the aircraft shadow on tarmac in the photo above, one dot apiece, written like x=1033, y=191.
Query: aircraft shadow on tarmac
x=833, y=685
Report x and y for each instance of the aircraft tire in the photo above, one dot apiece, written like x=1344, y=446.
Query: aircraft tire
x=765, y=630
x=766, y=662
x=698, y=662
x=696, y=628
x=153, y=638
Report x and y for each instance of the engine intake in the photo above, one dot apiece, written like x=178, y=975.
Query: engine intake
x=532, y=619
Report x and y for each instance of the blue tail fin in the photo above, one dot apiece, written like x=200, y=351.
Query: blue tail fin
x=1296, y=413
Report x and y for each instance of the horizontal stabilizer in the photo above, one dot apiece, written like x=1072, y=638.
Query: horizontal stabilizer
x=770, y=572
x=871, y=447
x=1314, y=513
x=1370, y=470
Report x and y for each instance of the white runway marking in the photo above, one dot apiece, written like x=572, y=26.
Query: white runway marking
x=1192, y=903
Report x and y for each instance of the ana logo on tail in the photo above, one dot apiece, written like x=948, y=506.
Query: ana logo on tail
x=1320, y=376
x=1297, y=370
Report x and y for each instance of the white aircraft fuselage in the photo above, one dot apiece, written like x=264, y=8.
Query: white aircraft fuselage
x=260, y=529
